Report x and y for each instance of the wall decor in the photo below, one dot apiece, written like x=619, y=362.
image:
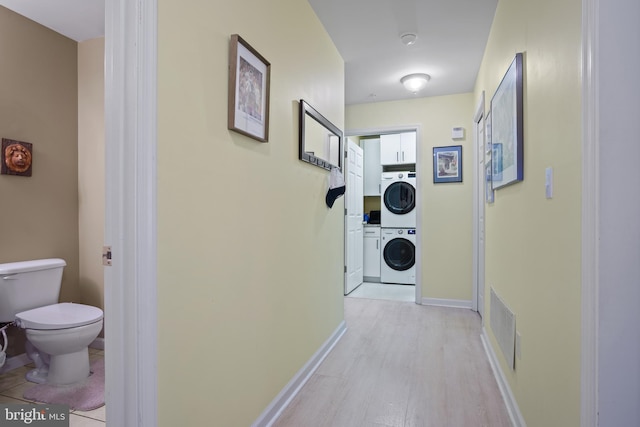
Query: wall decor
x=447, y=164
x=320, y=140
x=249, y=82
x=488, y=182
x=507, y=127
x=17, y=157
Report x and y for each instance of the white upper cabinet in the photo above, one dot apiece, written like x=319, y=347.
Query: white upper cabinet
x=398, y=148
x=372, y=166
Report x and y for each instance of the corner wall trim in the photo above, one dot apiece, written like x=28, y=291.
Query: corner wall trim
x=509, y=399
x=453, y=303
x=282, y=400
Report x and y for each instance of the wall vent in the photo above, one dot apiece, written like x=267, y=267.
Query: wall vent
x=503, y=325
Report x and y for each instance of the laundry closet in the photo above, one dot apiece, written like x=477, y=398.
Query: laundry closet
x=390, y=201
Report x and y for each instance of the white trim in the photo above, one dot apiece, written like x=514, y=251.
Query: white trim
x=130, y=217
x=396, y=129
x=15, y=362
x=589, y=400
x=282, y=400
x=477, y=117
x=517, y=419
x=452, y=303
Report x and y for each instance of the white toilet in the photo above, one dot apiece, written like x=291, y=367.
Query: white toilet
x=58, y=334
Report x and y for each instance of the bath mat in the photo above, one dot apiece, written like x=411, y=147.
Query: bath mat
x=86, y=396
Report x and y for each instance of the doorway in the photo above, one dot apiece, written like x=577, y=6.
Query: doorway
x=371, y=286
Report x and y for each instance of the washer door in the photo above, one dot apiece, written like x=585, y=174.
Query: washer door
x=399, y=254
x=400, y=198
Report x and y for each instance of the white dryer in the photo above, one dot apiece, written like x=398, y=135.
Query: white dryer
x=398, y=190
x=398, y=256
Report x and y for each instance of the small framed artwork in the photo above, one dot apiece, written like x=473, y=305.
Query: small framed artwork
x=249, y=81
x=17, y=157
x=507, y=128
x=447, y=164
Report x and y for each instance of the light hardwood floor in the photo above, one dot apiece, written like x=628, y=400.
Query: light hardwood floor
x=402, y=365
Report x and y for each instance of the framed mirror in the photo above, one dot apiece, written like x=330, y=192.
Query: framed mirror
x=320, y=140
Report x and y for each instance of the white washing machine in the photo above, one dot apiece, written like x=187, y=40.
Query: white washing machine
x=398, y=256
x=398, y=204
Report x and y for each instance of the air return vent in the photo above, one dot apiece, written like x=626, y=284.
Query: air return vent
x=503, y=325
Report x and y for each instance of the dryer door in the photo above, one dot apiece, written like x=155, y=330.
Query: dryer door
x=400, y=198
x=399, y=254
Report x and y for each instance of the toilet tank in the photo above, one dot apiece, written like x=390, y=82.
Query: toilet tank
x=26, y=285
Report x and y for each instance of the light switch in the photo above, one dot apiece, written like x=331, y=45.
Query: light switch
x=548, y=182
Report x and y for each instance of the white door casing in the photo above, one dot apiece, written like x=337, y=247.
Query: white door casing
x=354, y=204
x=478, y=209
x=130, y=212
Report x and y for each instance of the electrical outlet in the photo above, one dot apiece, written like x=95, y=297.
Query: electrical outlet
x=518, y=348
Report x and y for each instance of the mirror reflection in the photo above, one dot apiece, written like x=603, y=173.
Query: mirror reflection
x=320, y=140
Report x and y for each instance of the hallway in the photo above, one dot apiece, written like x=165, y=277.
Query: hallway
x=403, y=365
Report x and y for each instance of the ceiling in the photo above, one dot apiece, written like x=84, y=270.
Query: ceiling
x=451, y=37
x=79, y=20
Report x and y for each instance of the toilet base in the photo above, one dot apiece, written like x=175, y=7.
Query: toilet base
x=69, y=368
x=38, y=376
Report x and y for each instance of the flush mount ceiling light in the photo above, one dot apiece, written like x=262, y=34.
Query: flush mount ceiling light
x=415, y=82
x=408, y=38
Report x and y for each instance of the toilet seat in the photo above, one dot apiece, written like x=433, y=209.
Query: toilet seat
x=59, y=316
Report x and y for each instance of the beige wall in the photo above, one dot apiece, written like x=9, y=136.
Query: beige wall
x=91, y=169
x=446, y=209
x=250, y=258
x=39, y=104
x=533, y=244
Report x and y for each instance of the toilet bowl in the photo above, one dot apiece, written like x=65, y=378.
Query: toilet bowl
x=58, y=337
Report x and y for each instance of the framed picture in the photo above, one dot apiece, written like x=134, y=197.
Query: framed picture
x=507, y=129
x=17, y=157
x=447, y=164
x=249, y=79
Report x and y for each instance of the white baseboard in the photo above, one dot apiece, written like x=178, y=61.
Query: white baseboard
x=15, y=362
x=453, y=303
x=282, y=400
x=98, y=343
x=509, y=399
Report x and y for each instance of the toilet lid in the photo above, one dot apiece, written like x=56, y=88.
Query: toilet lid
x=59, y=316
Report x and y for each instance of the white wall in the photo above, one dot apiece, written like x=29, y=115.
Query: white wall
x=617, y=64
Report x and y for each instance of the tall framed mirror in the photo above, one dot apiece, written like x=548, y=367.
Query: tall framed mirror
x=320, y=140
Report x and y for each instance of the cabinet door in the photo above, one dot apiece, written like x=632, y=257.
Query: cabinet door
x=408, y=147
x=372, y=166
x=390, y=149
x=371, y=257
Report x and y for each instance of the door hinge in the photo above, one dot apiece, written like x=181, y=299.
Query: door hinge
x=345, y=211
x=106, y=256
x=345, y=268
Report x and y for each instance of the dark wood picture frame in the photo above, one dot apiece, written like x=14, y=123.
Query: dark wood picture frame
x=249, y=85
x=16, y=157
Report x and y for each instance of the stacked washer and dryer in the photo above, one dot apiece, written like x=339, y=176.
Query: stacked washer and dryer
x=398, y=228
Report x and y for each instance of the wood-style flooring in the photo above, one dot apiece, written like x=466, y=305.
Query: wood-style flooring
x=402, y=365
